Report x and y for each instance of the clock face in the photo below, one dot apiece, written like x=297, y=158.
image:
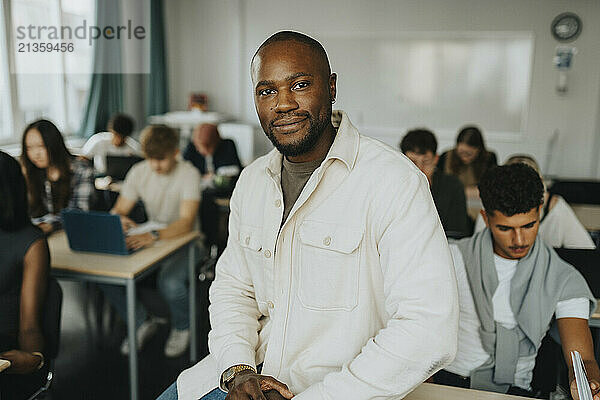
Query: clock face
x=566, y=27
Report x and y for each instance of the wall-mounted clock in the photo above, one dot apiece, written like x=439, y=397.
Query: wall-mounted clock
x=566, y=27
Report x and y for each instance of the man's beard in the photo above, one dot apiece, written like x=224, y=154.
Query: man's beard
x=306, y=143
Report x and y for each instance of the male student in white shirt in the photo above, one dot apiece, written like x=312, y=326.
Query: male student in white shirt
x=116, y=142
x=512, y=286
x=337, y=276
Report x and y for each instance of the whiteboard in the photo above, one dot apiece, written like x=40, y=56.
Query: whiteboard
x=439, y=80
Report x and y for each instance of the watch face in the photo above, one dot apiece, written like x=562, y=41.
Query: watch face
x=566, y=27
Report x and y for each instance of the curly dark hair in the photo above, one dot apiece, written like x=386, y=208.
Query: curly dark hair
x=511, y=189
x=121, y=124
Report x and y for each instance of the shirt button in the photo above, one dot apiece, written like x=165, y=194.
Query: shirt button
x=247, y=240
x=267, y=254
x=277, y=203
x=327, y=241
x=271, y=305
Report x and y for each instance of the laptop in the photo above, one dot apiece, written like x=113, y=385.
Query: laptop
x=95, y=232
x=118, y=166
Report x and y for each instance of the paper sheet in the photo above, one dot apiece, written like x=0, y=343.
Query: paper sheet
x=583, y=387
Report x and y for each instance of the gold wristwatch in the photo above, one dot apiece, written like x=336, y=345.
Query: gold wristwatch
x=230, y=373
x=41, y=356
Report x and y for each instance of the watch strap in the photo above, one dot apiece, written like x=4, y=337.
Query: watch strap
x=230, y=373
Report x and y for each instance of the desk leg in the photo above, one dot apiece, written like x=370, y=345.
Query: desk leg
x=192, y=296
x=133, y=371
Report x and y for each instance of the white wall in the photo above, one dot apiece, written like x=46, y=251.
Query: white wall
x=210, y=43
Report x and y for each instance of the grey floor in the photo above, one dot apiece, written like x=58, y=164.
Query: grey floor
x=89, y=365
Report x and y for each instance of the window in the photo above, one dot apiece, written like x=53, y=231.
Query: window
x=47, y=86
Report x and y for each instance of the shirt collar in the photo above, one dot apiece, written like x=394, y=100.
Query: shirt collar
x=344, y=147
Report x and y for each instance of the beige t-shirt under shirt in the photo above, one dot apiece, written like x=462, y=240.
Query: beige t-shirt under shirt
x=162, y=194
x=293, y=178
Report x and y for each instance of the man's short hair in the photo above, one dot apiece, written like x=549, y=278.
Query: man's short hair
x=283, y=36
x=511, y=189
x=121, y=124
x=158, y=141
x=419, y=141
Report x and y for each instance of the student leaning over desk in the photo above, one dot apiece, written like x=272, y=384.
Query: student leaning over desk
x=512, y=286
x=170, y=191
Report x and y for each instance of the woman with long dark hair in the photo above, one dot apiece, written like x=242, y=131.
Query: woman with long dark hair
x=24, y=272
x=55, y=178
x=469, y=159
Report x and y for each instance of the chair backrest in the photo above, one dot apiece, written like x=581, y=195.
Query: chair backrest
x=577, y=191
x=51, y=319
x=587, y=262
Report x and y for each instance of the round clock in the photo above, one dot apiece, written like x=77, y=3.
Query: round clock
x=566, y=27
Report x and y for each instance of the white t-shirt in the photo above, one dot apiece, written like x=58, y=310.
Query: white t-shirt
x=471, y=354
x=100, y=145
x=162, y=194
x=560, y=228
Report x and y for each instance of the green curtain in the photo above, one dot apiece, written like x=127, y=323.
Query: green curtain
x=106, y=92
x=157, y=99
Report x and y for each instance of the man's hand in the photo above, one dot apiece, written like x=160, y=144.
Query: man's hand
x=135, y=242
x=46, y=228
x=247, y=384
x=22, y=362
x=594, y=386
x=127, y=223
x=273, y=395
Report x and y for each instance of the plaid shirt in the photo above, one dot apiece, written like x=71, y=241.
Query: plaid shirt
x=82, y=189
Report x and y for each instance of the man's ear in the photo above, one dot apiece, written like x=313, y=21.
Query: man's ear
x=332, y=86
x=435, y=160
x=485, y=217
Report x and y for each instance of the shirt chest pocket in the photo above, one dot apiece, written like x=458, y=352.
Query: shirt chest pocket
x=329, y=266
x=250, y=240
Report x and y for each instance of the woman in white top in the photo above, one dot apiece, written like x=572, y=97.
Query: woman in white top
x=559, y=226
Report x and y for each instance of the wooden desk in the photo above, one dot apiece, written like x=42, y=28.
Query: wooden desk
x=125, y=271
x=430, y=391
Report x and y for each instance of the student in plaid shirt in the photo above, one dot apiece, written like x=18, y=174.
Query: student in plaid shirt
x=55, y=178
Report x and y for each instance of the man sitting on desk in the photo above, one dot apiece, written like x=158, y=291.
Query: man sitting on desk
x=336, y=276
x=511, y=288
x=170, y=190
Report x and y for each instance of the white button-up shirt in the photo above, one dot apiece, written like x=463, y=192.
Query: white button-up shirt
x=353, y=298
